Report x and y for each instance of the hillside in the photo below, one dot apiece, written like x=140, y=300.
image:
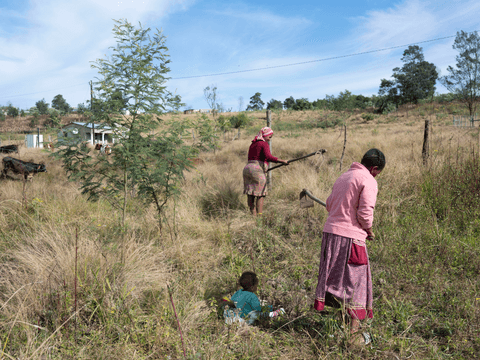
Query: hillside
x=76, y=284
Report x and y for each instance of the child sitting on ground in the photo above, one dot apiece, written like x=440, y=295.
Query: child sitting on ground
x=244, y=304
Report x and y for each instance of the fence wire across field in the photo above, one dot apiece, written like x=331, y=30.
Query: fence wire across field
x=464, y=120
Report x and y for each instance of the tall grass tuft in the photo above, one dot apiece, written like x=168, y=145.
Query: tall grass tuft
x=222, y=200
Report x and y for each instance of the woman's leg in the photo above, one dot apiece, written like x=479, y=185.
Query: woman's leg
x=354, y=326
x=260, y=204
x=251, y=204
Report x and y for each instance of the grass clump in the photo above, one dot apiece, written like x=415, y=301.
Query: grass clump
x=222, y=200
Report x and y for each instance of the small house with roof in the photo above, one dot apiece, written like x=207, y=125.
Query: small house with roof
x=93, y=133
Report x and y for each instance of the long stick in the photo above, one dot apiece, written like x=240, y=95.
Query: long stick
x=178, y=321
x=321, y=151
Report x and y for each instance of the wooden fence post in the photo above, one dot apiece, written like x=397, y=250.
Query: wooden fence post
x=344, y=143
x=425, y=149
x=269, y=174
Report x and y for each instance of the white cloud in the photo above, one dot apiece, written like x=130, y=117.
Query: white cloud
x=402, y=24
x=62, y=38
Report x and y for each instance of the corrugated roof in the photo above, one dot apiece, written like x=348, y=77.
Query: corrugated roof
x=89, y=125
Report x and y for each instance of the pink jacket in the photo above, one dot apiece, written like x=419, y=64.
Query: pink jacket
x=352, y=201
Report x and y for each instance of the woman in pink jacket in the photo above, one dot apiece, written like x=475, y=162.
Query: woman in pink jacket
x=344, y=275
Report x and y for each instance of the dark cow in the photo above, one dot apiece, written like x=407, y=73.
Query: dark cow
x=27, y=169
x=7, y=149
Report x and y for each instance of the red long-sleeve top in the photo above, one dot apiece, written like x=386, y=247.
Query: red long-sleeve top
x=259, y=150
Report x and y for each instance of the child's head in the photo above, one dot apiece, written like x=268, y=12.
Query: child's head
x=248, y=281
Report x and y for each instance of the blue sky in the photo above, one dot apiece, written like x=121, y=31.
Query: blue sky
x=47, y=46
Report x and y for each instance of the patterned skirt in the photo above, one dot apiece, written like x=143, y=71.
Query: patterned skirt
x=344, y=277
x=254, y=179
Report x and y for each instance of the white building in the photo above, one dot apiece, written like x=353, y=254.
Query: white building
x=93, y=133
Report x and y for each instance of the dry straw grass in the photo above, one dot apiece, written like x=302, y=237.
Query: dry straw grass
x=124, y=311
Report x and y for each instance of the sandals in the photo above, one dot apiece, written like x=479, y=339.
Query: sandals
x=360, y=339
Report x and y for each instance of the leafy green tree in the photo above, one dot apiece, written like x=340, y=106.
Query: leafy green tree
x=60, y=104
x=416, y=78
x=330, y=100
x=302, y=104
x=81, y=108
x=42, y=107
x=464, y=79
x=256, y=102
x=2, y=113
x=274, y=105
x=344, y=101
x=387, y=96
x=289, y=102
x=320, y=104
x=53, y=119
x=12, y=110
x=239, y=122
x=362, y=102
x=151, y=162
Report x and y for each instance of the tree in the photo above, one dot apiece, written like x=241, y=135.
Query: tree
x=417, y=77
x=302, y=104
x=387, y=96
x=256, y=102
x=42, y=107
x=81, y=108
x=239, y=121
x=53, y=120
x=151, y=163
x=60, y=104
x=289, y=102
x=464, y=79
x=274, y=105
x=344, y=101
x=12, y=110
x=210, y=94
x=320, y=104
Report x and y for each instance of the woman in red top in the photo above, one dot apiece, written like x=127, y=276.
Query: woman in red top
x=254, y=178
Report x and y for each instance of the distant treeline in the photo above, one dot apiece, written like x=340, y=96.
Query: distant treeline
x=347, y=101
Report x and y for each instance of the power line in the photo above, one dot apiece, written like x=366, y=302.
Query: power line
x=313, y=61
x=264, y=68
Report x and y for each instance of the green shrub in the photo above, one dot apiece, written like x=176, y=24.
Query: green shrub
x=367, y=117
x=389, y=108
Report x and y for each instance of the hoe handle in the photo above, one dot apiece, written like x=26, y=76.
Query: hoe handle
x=309, y=194
x=321, y=151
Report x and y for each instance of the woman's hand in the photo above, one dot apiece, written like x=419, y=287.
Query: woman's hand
x=370, y=234
x=284, y=162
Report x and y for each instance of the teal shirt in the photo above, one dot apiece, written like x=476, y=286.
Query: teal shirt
x=247, y=301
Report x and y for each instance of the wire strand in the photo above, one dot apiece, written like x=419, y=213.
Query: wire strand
x=313, y=61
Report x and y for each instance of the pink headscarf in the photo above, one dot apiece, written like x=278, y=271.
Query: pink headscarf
x=263, y=132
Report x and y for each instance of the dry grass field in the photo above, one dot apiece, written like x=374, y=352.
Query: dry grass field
x=74, y=284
